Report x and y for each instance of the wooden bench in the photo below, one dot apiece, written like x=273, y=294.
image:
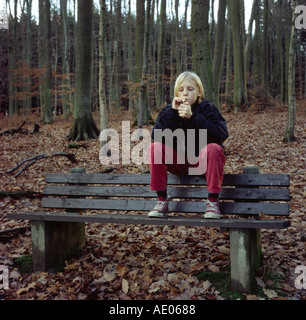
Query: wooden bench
x=251, y=197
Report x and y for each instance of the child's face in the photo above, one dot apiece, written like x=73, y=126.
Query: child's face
x=188, y=91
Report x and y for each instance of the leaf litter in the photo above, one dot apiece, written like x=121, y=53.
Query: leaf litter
x=154, y=262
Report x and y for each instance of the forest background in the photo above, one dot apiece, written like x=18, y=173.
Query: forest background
x=80, y=57
x=80, y=67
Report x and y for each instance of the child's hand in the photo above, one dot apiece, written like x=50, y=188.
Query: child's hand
x=176, y=103
x=184, y=110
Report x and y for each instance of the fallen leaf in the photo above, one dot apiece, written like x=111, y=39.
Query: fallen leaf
x=122, y=270
x=206, y=285
x=260, y=282
x=213, y=268
x=109, y=276
x=15, y=275
x=154, y=287
x=270, y=293
x=125, y=286
x=262, y=216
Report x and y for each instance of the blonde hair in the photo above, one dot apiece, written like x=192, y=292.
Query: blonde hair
x=193, y=77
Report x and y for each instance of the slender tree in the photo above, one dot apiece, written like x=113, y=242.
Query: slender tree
x=29, y=55
x=229, y=66
x=102, y=66
x=239, y=74
x=143, y=103
x=161, y=54
x=140, y=22
x=118, y=56
x=289, y=133
x=12, y=44
x=276, y=74
x=130, y=53
x=247, y=48
x=45, y=61
x=265, y=41
x=201, y=52
x=219, y=50
x=65, y=62
x=83, y=127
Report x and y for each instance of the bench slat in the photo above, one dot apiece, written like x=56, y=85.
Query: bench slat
x=144, y=220
x=174, y=192
x=229, y=179
x=279, y=209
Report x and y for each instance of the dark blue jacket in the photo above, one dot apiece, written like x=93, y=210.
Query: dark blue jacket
x=205, y=116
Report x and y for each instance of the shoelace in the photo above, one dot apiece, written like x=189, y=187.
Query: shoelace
x=211, y=205
x=161, y=205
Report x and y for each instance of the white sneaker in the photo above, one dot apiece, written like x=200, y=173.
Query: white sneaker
x=161, y=209
x=212, y=210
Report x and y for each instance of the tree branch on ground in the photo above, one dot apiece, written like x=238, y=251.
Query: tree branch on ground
x=36, y=158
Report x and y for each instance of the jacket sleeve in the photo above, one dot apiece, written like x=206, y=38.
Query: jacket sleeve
x=211, y=119
x=167, y=118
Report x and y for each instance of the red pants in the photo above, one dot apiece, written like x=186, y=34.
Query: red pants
x=210, y=162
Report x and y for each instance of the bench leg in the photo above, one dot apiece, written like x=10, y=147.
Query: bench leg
x=245, y=257
x=53, y=242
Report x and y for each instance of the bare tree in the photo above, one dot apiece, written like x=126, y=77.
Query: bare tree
x=45, y=61
x=289, y=133
x=83, y=127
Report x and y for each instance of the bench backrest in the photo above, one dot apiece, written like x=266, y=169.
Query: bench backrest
x=243, y=194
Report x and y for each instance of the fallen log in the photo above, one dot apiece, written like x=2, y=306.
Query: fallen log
x=12, y=131
x=20, y=194
x=7, y=235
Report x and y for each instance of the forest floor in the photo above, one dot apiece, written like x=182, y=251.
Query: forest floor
x=153, y=262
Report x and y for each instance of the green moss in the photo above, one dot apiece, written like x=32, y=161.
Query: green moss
x=222, y=282
x=24, y=264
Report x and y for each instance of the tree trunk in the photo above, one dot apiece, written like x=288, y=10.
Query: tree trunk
x=83, y=127
x=287, y=22
x=65, y=64
x=45, y=61
x=12, y=42
x=289, y=134
x=229, y=66
x=102, y=66
x=219, y=50
x=118, y=58
x=247, y=48
x=161, y=54
x=201, y=61
x=29, y=57
x=239, y=74
x=278, y=52
x=131, y=70
x=143, y=103
x=184, y=36
x=140, y=22
x=264, y=56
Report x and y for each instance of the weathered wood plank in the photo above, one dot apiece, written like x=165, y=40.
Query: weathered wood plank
x=229, y=179
x=248, y=208
x=174, y=192
x=143, y=219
